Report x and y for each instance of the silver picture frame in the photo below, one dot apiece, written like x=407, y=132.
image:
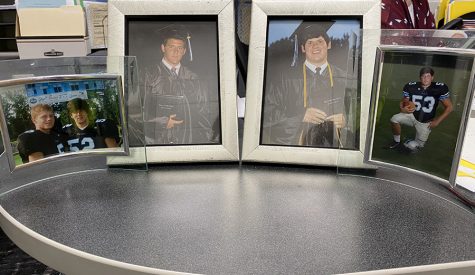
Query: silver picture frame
x=253, y=149
x=228, y=148
x=446, y=174
x=2, y=146
x=462, y=180
x=121, y=150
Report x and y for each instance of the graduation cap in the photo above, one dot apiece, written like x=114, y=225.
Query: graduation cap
x=179, y=32
x=308, y=30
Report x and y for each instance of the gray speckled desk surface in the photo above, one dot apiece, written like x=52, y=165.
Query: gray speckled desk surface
x=249, y=219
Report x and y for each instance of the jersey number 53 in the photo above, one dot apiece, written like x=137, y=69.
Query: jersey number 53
x=425, y=103
x=76, y=144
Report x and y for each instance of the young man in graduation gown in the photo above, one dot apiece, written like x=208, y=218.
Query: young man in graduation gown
x=305, y=106
x=177, y=101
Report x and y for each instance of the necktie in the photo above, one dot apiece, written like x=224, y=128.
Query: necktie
x=174, y=74
x=317, y=71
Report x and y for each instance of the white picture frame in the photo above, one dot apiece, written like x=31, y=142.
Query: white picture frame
x=228, y=148
x=253, y=150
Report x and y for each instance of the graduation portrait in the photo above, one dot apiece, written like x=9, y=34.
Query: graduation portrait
x=311, y=92
x=418, y=107
x=177, y=58
x=46, y=117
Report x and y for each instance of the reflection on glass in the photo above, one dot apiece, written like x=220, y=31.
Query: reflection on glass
x=429, y=38
x=46, y=118
x=311, y=83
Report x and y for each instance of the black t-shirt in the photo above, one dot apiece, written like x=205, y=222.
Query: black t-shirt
x=92, y=137
x=33, y=141
x=426, y=100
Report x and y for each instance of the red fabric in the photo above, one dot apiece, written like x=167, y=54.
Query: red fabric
x=395, y=15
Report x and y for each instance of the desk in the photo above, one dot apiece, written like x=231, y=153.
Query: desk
x=249, y=219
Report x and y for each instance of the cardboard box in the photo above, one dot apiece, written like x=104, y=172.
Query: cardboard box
x=51, y=22
x=52, y=32
x=46, y=48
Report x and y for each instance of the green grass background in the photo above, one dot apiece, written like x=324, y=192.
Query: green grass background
x=436, y=156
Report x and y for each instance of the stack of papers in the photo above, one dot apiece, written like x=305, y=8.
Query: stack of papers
x=21, y=4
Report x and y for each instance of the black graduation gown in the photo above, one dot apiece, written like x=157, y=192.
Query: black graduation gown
x=284, y=108
x=187, y=97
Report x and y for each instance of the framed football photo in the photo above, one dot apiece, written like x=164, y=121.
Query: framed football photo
x=56, y=116
x=420, y=98
x=186, y=67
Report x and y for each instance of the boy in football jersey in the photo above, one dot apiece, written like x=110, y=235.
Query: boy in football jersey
x=43, y=141
x=418, y=109
x=82, y=134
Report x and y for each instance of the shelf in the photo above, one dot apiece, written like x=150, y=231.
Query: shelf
x=9, y=55
x=7, y=7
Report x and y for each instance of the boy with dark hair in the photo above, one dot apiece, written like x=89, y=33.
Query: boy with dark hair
x=177, y=102
x=418, y=109
x=82, y=134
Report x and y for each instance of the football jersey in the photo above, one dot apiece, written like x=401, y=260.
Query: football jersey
x=426, y=100
x=92, y=137
x=33, y=141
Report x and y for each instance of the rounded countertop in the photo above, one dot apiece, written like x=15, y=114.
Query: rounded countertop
x=247, y=219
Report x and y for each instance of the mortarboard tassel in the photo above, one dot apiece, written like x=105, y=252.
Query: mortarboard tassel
x=188, y=37
x=296, y=52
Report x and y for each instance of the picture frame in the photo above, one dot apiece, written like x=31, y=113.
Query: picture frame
x=49, y=117
x=124, y=15
x=464, y=176
x=2, y=146
x=432, y=153
x=367, y=13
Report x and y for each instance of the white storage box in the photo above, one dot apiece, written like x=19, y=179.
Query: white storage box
x=62, y=21
x=53, y=47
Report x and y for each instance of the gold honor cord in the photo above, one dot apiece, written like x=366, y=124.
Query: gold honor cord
x=305, y=82
x=305, y=99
